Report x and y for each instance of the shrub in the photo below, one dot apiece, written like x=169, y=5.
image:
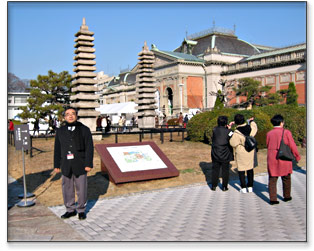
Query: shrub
x=295, y=119
x=200, y=127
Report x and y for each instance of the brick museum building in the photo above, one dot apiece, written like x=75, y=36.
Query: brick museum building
x=186, y=76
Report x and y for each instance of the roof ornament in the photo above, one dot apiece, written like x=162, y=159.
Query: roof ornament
x=145, y=47
x=84, y=26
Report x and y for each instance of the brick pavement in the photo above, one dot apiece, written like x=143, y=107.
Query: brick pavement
x=195, y=213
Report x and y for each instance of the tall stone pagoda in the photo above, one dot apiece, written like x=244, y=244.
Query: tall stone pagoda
x=83, y=84
x=146, y=89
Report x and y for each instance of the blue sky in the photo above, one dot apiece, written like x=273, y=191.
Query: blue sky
x=41, y=34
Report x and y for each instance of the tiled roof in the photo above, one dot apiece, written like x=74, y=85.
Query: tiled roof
x=182, y=56
x=224, y=43
x=277, y=52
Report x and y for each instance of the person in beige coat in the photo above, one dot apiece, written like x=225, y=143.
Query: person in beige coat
x=244, y=160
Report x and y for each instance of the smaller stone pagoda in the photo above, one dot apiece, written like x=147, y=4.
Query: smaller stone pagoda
x=84, y=83
x=145, y=89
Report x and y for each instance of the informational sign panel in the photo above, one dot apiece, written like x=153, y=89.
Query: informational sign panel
x=21, y=137
x=126, y=162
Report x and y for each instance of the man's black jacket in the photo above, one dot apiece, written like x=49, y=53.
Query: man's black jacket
x=221, y=149
x=78, y=142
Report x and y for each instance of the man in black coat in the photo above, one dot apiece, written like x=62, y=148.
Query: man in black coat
x=221, y=153
x=73, y=157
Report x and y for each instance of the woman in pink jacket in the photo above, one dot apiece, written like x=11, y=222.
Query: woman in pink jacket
x=276, y=167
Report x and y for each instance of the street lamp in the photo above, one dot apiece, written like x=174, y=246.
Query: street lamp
x=180, y=85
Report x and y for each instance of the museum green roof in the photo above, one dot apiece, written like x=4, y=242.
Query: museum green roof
x=277, y=52
x=182, y=56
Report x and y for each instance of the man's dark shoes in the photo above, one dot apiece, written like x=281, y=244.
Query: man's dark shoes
x=274, y=202
x=68, y=215
x=213, y=188
x=287, y=199
x=225, y=189
x=82, y=216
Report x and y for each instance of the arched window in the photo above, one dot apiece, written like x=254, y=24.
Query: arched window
x=170, y=100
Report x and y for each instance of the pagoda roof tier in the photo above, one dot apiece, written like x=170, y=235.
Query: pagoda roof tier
x=85, y=88
x=84, y=38
x=147, y=70
x=82, y=81
x=144, y=79
x=145, y=53
x=145, y=75
x=146, y=113
x=83, y=43
x=88, y=113
x=84, y=96
x=85, y=74
x=141, y=66
x=84, y=62
x=146, y=84
x=152, y=57
x=144, y=90
x=146, y=61
x=84, y=49
x=84, y=55
x=85, y=104
x=84, y=32
x=145, y=101
x=146, y=107
x=84, y=68
x=145, y=95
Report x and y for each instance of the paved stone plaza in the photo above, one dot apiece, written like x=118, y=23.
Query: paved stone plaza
x=195, y=213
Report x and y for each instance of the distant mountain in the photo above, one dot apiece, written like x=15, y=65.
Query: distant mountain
x=16, y=84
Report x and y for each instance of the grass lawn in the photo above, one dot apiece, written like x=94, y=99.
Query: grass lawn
x=192, y=159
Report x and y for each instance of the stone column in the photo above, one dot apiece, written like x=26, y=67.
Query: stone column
x=84, y=83
x=145, y=89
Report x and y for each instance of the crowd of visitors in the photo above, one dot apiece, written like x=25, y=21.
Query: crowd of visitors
x=228, y=145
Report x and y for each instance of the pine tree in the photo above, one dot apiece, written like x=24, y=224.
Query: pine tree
x=48, y=95
x=219, y=104
x=252, y=90
x=292, y=96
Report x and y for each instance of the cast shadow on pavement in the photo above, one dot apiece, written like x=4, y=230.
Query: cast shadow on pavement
x=33, y=182
x=207, y=171
x=260, y=189
x=97, y=185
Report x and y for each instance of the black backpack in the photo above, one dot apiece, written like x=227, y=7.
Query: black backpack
x=250, y=143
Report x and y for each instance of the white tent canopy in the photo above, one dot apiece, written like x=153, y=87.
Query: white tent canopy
x=118, y=108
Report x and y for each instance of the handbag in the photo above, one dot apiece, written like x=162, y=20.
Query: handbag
x=284, y=151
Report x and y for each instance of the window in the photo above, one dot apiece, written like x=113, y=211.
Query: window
x=285, y=57
x=300, y=54
x=20, y=100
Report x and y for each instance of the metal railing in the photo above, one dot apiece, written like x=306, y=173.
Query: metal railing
x=161, y=130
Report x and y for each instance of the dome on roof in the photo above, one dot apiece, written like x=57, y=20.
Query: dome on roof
x=224, y=43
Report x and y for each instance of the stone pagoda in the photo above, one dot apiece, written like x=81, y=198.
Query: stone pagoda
x=84, y=86
x=145, y=89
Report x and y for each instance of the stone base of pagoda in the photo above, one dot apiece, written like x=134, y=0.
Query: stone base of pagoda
x=146, y=122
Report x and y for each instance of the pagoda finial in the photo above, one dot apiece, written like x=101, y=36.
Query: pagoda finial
x=84, y=26
x=145, y=47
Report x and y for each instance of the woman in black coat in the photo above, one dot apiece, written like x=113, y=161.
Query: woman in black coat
x=221, y=153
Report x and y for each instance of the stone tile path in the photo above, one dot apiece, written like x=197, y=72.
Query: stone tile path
x=195, y=213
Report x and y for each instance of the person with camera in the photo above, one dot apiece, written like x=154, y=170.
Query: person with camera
x=221, y=152
x=244, y=160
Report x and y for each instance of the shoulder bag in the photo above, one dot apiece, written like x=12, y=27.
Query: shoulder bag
x=284, y=151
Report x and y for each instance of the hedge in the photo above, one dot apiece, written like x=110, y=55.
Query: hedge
x=201, y=125
x=295, y=119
